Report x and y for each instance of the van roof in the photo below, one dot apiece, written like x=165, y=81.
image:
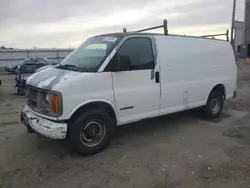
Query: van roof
x=122, y=34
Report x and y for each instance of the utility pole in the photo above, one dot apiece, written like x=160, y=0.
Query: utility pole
x=232, y=26
x=245, y=18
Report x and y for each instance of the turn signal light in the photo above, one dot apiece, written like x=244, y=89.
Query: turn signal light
x=55, y=103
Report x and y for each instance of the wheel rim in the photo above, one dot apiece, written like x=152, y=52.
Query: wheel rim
x=215, y=105
x=92, y=133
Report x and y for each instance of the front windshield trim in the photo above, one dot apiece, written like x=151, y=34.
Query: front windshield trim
x=92, y=57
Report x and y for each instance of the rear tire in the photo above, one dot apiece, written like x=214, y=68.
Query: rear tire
x=91, y=132
x=214, y=105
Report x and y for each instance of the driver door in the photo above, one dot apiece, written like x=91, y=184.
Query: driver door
x=137, y=90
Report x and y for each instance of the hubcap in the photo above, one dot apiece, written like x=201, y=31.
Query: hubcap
x=92, y=133
x=215, y=106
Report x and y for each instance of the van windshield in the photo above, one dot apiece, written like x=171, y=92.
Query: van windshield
x=89, y=56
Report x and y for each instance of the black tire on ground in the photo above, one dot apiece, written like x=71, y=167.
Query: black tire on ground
x=214, y=105
x=20, y=91
x=88, y=124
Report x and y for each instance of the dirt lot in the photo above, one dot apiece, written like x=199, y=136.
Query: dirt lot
x=175, y=151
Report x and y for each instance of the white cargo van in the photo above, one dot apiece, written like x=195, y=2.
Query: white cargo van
x=115, y=79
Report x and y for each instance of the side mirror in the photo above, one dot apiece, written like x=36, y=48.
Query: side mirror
x=123, y=63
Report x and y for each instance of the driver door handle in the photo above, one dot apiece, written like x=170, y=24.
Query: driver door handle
x=157, y=77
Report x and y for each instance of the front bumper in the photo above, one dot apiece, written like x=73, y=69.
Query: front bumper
x=43, y=126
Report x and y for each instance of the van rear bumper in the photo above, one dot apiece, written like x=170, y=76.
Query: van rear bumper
x=43, y=126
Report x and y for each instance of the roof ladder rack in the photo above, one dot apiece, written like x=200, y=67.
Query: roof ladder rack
x=164, y=26
x=165, y=29
x=217, y=35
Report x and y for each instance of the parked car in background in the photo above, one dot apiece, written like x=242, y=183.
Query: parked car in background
x=28, y=65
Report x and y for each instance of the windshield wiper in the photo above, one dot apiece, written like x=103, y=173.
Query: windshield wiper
x=67, y=66
x=72, y=68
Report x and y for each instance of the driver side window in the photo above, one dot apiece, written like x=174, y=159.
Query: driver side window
x=138, y=51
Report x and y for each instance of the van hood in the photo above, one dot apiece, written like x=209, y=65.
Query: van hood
x=48, y=78
x=44, y=67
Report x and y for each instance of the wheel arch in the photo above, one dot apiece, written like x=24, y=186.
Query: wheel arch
x=99, y=104
x=218, y=87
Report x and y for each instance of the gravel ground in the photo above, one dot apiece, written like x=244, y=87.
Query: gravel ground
x=174, y=151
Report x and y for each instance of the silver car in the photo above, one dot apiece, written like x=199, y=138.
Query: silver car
x=28, y=65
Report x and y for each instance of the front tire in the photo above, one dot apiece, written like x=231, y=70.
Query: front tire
x=91, y=132
x=214, y=105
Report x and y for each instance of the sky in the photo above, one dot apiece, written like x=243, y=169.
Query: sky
x=67, y=23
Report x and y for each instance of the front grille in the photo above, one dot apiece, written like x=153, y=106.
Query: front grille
x=36, y=99
x=32, y=94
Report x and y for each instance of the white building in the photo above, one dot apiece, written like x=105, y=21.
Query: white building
x=242, y=33
x=238, y=35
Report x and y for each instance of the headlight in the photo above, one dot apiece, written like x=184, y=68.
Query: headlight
x=45, y=102
x=52, y=103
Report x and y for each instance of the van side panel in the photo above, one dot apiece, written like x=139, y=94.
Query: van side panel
x=190, y=68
